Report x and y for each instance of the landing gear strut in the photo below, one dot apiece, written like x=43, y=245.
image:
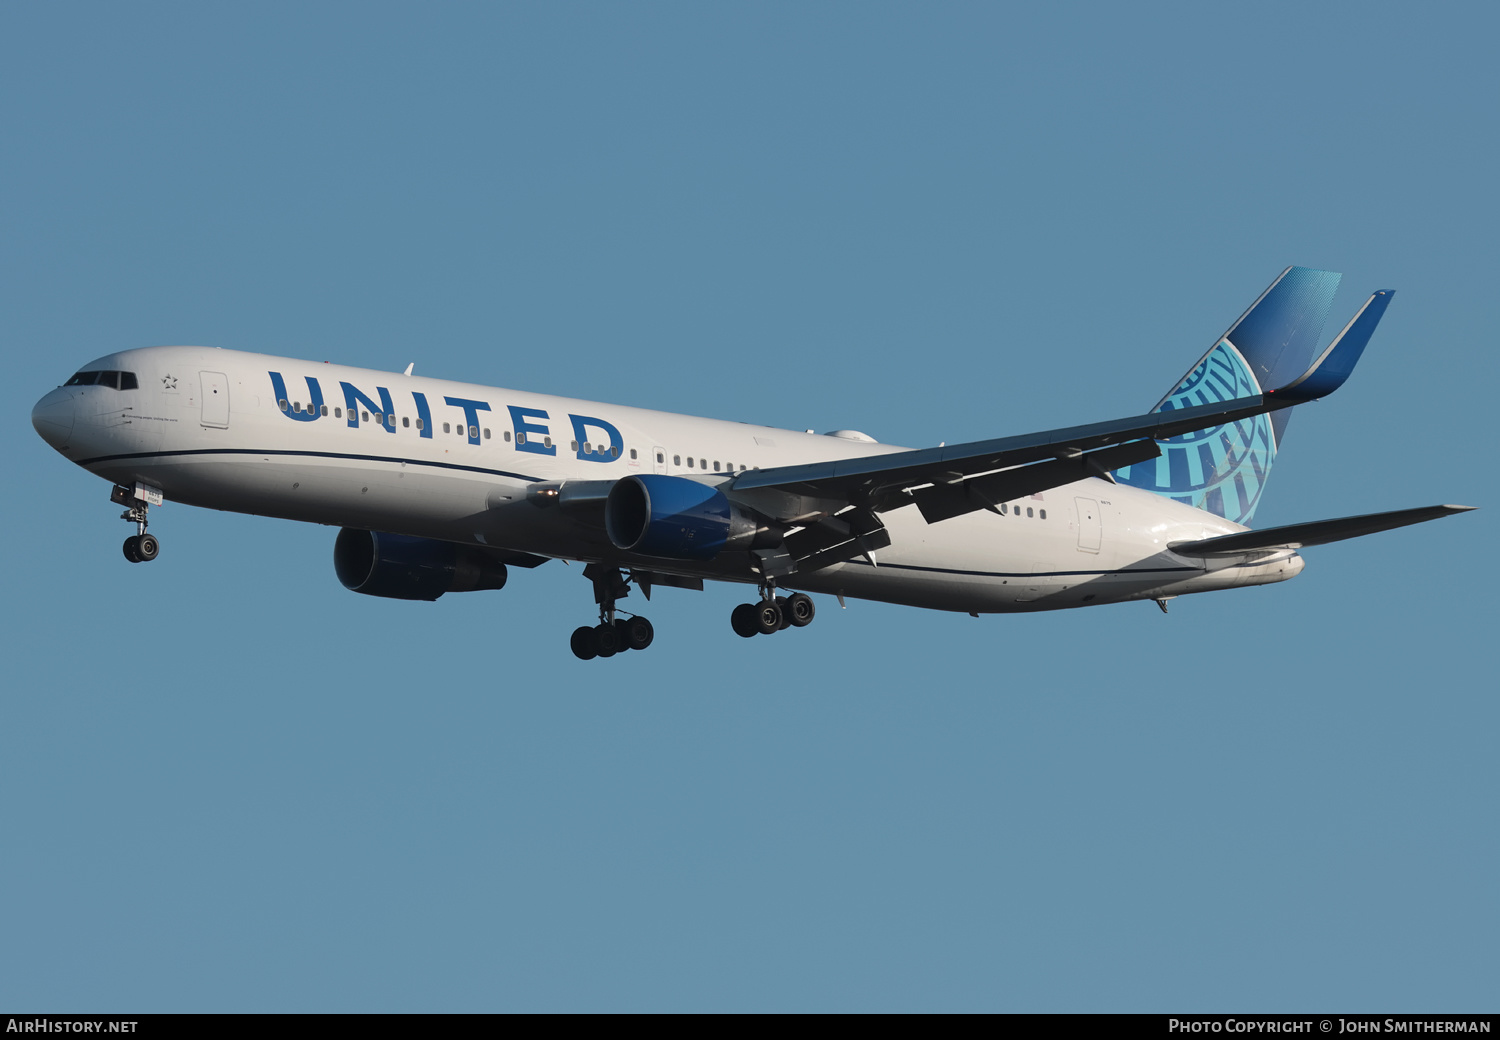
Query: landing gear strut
x=613, y=635
x=773, y=613
x=139, y=547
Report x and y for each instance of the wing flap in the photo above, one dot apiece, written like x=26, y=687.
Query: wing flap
x=942, y=501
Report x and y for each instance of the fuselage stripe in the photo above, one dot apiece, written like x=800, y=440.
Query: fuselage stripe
x=308, y=454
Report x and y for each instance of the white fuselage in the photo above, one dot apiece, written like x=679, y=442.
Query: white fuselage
x=208, y=427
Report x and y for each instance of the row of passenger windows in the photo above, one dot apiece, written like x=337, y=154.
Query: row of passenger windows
x=468, y=432
x=118, y=380
x=472, y=432
x=1006, y=507
x=702, y=463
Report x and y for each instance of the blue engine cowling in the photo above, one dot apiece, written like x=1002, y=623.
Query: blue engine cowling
x=677, y=518
x=398, y=566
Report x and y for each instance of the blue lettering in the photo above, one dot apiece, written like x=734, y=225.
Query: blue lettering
x=315, y=398
x=518, y=417
x=581, y=425
x=424, y=414
x=383, y=409
x=471, y=414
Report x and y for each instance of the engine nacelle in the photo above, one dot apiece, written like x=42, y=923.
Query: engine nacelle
x=678, y=519
x=398, y=566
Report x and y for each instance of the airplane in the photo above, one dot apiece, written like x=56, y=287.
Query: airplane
x=439, y=486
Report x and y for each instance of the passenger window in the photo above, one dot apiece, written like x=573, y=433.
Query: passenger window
x=676, y=460
x=296, y=406
x=1043, y=514
x=127, y=381
x=282, y=404
x=325, y=409
x=1028, y=510
x=365, y=416
x=486, y=433
x=520, y=438
x=547, y=442
x=703, y=464
x=447, y=427
x=572, y=445
x=690, y=462
x=716, y=465
x=420, y=424
x=506, y=435
x=616, y=451
x=406, y=420
x=632, y=453
x=1002, y=508
x=473, y=433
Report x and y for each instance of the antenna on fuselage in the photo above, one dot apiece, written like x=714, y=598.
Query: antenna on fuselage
x=409, y=368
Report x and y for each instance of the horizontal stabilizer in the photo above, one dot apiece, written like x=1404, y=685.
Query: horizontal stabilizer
x=1319, y=532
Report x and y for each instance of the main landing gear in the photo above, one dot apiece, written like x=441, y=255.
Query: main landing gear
x=772, y=614
x=139, y=547
x=613, y=635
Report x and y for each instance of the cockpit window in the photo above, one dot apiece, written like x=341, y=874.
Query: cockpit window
x=117, y=380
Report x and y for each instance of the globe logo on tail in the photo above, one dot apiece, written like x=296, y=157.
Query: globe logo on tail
x=1222, y=469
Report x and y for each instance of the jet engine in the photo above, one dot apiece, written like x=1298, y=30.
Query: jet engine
x=679, y=519
x=398, y=566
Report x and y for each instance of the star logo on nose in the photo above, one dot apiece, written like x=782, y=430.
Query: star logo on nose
x=169, y=382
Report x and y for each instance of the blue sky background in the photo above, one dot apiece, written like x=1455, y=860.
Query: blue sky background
x=228, y=784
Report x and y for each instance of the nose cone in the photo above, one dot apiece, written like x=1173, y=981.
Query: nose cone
x=53, y=418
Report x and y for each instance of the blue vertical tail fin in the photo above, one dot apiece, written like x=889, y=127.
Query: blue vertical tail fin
x=1223, y=470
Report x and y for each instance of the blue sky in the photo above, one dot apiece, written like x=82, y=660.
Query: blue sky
x=228, y=784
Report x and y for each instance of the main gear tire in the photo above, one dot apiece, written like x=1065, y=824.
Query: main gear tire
x=584, y=647
x=800, y=609
x=742, y=620
x=768, y=616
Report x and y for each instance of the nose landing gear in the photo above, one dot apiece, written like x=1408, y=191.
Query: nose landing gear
x=139, y=547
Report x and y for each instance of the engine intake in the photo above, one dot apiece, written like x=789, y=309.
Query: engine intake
x=398, y=566
x=679, y=519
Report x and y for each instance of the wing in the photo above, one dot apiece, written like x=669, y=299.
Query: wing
x=838, y=502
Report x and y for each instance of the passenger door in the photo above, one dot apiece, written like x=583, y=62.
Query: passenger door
x=1090, y=526
x=215, y=388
